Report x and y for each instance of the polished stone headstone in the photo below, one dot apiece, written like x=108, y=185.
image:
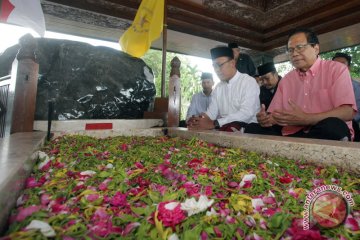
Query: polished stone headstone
x=87, y=82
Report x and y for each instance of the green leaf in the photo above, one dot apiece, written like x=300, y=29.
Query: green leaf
x=155, y=196
x=124, y=219
x=139, y=211
x=104, y=174
x=192, y=234
x=174, y=195
x=279, y=222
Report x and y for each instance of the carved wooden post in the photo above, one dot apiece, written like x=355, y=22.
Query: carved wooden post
x=174, y=94
x=25, y=73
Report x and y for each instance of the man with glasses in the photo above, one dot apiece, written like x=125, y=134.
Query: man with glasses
x=235, y=100
x=315, y=100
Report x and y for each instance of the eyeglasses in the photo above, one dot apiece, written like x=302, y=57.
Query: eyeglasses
x=299, y=48
x=218, y=66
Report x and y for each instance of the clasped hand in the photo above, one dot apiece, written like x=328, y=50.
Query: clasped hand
x=201, y=122
x=294, y=116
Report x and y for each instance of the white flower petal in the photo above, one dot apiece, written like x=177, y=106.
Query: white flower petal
x=257, y=202
x=247, y=178
x=43, y=156
x=173, y=237
x=212, y=212
x=191, y=206
x=257, y=237
x=20, y=201
x=44, y=228
x=88, y=172
x=171, y=206
x=271, y=194
x=109, y=166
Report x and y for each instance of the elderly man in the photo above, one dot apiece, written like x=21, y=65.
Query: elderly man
x=244, y=63
x=235, y=100
x=270, y=80
x=313, y=101
x=201, y=101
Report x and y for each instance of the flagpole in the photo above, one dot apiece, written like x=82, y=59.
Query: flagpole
x=163, y=68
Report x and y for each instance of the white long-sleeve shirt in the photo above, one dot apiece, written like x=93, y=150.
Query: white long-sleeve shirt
x=199, y=104
x=237, y=100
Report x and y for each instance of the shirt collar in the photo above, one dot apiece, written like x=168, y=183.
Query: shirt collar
x=209, y=94
x=313, y=70
x=236, y=76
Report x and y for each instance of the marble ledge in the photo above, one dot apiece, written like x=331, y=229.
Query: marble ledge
x=344, y=155
x=16, y=164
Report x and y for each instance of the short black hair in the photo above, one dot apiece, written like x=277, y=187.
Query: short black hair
x=206, y=75
x=311, y=36
x=343, y=55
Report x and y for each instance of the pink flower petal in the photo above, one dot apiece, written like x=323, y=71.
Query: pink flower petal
x=233, y=184
x=352, y=224
x=25, y=212
x=217, y=232
x=45, y=199
x=92, y=197
x=129, y=228
x=269, y=200
x=170, y=215
x=203, y=236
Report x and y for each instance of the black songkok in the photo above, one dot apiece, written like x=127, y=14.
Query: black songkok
x=221, y=52
x=266, y=68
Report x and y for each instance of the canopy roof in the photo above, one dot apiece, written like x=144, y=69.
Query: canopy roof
x=260, y=27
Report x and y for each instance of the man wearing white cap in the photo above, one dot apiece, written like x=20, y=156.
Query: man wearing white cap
x=201, y=100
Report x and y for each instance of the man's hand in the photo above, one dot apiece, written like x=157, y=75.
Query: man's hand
x=263, y=118
x=203, y=122
x=295, y=116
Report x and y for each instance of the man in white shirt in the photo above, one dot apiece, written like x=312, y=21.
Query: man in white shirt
x=235, y=100
x=201, y=100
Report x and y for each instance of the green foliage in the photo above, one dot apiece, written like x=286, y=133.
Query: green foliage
x=283, y=68
x=190, y=76
x=354, y=52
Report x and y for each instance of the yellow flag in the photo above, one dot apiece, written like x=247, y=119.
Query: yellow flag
x=146, y=27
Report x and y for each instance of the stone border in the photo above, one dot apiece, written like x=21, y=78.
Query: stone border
x=344, y=155
x=16, y=164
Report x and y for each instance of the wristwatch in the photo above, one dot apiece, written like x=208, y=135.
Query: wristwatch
x=216, y=124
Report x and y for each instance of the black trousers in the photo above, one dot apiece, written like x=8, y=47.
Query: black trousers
x=330, y=128
x=356, y=128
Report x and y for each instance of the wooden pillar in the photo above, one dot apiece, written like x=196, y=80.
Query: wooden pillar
x=25, y=74
x=174, y=94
